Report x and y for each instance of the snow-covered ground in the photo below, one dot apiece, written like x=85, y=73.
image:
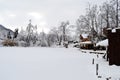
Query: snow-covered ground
x=52, y=64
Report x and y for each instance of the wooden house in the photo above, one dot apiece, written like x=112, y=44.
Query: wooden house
x=85, y=42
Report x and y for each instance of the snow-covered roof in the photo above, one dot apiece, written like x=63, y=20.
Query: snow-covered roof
x=85, y=35
x=103, y=43
x=113, y=30
x=86, y=42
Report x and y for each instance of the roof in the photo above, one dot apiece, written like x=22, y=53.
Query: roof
x=103, y=43
x=113, y=30
x=85, y=35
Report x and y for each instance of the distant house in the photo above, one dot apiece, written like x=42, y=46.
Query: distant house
x=85, y=42
x=4, y=31
x=84, y=37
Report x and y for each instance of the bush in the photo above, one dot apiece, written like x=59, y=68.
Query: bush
x=23, y=44
x=9, y=43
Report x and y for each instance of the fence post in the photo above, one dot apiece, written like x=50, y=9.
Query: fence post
x=97, y=56
x=93, y=61
x=97, y=69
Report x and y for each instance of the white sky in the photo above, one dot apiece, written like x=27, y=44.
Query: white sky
x=44, y=13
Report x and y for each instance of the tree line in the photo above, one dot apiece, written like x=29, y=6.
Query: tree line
x=95, y=22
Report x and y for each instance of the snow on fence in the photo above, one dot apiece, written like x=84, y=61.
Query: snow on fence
x=94, y=52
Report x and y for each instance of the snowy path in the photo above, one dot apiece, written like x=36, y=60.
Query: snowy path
x=45, y=64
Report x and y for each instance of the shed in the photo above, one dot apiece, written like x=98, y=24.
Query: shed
x=113, y=53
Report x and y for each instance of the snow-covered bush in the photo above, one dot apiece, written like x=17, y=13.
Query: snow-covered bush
x=22, y=44
x=43, y=39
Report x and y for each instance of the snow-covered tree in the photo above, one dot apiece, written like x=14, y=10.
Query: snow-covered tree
x=43, y=39
x=29, y=35
x=30, y=32
x=64, y=30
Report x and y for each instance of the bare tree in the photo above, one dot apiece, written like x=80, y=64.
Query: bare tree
x=105, y=13
x=92, y=14
x=64, y=26
x=115, y=4
x=83, y=25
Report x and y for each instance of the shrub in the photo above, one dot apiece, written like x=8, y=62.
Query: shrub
x=9, y=43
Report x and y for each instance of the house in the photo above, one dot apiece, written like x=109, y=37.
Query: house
x=84, y=37
x=85, y=42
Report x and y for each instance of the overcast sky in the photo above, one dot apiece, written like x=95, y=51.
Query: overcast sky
x=44, y=13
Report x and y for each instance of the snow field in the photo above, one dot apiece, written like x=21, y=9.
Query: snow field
x=45, y=64
x=53, y=64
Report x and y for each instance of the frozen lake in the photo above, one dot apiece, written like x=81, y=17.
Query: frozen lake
x=45, y=64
